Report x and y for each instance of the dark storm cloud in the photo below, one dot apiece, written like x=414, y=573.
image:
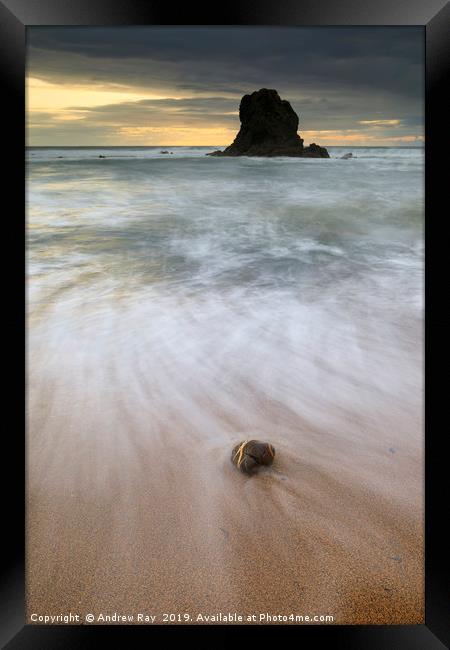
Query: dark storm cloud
x=238, y=43
x=235, y=59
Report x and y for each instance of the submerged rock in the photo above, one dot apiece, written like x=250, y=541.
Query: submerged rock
x=163, y=152
x=346, y=156
x=249, y=455
x=268, y=128
x=314, y=151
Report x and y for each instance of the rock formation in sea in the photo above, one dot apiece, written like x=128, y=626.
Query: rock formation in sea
x=269, y=128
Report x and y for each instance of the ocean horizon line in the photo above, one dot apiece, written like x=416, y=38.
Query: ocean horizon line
x=206, y=146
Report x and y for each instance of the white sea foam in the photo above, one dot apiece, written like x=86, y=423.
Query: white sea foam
x=209, y=284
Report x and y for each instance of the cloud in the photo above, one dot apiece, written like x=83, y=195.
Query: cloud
x=234, y=59
x=380, y=122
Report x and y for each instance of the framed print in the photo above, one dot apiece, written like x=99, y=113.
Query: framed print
x=228, y=422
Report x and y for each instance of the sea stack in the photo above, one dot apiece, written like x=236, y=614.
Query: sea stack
x=269, y=128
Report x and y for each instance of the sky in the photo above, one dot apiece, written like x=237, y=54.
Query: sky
x=168, y=86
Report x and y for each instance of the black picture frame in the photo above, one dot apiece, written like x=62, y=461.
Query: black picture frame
x=433, y=15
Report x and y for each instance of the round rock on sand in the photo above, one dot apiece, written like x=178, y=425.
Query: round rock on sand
x=249, y=455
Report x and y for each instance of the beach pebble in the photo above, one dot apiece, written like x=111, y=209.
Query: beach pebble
x=251, y=454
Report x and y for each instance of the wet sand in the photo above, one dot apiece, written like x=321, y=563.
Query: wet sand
x=134, y=506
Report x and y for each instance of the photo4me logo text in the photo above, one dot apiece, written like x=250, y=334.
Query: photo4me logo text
x=116, y=617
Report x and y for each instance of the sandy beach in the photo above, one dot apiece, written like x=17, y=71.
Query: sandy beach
x=175, y=529
x=134, y=506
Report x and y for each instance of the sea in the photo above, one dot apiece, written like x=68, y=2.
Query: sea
x=299, y=279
